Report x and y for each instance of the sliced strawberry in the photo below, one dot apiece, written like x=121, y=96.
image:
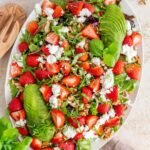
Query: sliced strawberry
x=46, y=92
x=89, y=7
x=108, y=2
x=33, y=27
x=113, y=95
x=65, y=44
x=119, y=67
x=85, y=66
x=100, y=129
x=103, y=108
x=112, y=122
x=91, y=120
x=52, y=38
x=57, y=138
x=90, y=32
x=53, y=68
x=16, y=70
x=67, y=145
x=18, y=115
x=23, y=131
x=79, y=50
x=23, y=46
x=71, y=81
x=45, y=50
x=81, y=120
x=128, y=41
x=133, y=71
x=73, y=122
x=21, y=97
x=95, y=85
x=32, y=60
x=75, y=7
x=65, y=67
x=136, y=38
x=119, y=110
x=64, y=92
x=84, y=57
x=58, y=118
x=96, y=71
x=78, y=136
x=88, y=93
x=26, y=78
x=58, y=12
x=36, y=144
x=42, y=74
x=15, y=105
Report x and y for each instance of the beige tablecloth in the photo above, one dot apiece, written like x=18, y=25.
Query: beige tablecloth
x=136, y=131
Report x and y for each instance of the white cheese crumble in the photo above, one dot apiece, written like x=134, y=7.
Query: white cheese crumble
x=59, y=52
x=56, y=148
x=41, y=60
x=38, y=9
x=56, y=89
x=49, y=12
x=90, y=135
x=18, y=59
x=85, y=12
x=81, y=19
x=53, y=101
x=111, y=113
x=64, y=30
x=81, y=44
x=80, y=129
x=55, y=22
x=96, y=61
x=41, y=43
x=69, y=132
x=51, y=59
x=129, y=52
x=129, y=28
x=20, y=123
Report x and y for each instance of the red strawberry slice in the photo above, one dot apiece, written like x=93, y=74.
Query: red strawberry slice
x=32, y=60
x=85, y=66
x=65, y=44
x=47, y=149
x=73, y=122
x=52, y=38
x=119, y=110
x=136, y=38
x=81, y=120
x=78, y=136
x=91, y=120
x=84, y=57
x=103, y=108
x=89, y=7
x=23, y=46
x=58, y=118
x=16, y=70
x=15, y=105
x=108, y=2
x=46, y=92
x=57, y=138
x=67, y=145
x=88, y=93
x=18, y=115
x=26, y=78
x=21, y=97
x=58, y=12
x=23, y=131
x=90, y=32
x=45, y=50
x=52, y=68
x=65, y=67
x=119, y=67
x=36, y=144
x=95, y=85
x=75, y=7
x=96, y=71
x=79, y=50
x=42, y=74
x=133, y=71
x=113, y=95
x=112, y=122
x=33, y=27
x=128, y=41
x=71, y=81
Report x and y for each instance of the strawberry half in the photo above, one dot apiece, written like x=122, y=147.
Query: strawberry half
x=95, y=85
x=52, y=68
x=42, y=74
x=89, y=7
x=119, y=110
x=96, y=71
x=46, y=92
x=65, y=44
x=112, y=122
x=136, y=38
x=58, y=12
x=33, y=27
x=87, y=91
x=36, y=144
x=85, y=66
x=57, y=138
x=52, y=38
x=26, y=78
x=91, y=120
x=103, y=108
x=113, y=95
x=32, y=60
x=58, y=118
x=16, y=70
x=45, y=50
x=71, y=81
x=15, y=105
x=78, y=136
x=23, y=131
x=18, y=115
x=67, y=145
x=23, y=46
x=128, y=41
x=119, y=67
x=65, y=67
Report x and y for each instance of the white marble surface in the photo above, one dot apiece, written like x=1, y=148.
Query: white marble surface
x=136, y=130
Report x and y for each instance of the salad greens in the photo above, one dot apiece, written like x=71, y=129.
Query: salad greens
x=83, y=144
x=13, y=89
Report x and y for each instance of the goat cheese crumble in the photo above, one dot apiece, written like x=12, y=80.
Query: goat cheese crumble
x=96, y=61
x=38, y=9
x=20, y=123
x=56, y=89
x=41, y=60
x=53, y=101
x=90, y=135
x=69, y=132
x=49, y=12
x=51, y=59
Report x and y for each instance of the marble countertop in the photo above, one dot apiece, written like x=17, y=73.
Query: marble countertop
x=136, y=130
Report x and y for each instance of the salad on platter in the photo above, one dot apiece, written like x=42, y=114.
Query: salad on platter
x=76, y=66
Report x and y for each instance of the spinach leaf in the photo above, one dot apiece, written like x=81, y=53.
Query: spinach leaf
x=96, y=47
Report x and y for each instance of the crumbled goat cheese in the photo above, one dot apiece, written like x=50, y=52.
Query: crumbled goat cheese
x=80, y=129
x=55, y=22
x=81, y=19
x=20, y=123
x=129, y=52
x=85, y=12
x=59, y=52
x=53, y=101
x=96, y=61
x=41, y=60
x=81, y=44
x=38, y=9
x=103, y=93
x=18, y=59
x=129, y=28
x=49, y=12
x=41, y=43
x=52, y=48
x=128, y=78
x=56, y=148
x=56, y=89
x=51, y=59
x=69, y=132
x=64, y=30
x=111, y=113
x=90, y=135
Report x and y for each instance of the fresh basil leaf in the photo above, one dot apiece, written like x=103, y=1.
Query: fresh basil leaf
x=96, y=47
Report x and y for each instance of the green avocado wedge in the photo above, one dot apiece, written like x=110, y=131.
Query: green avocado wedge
x=38, y=116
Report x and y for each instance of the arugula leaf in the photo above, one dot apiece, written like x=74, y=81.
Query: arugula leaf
x=76, y=58
x=93, y=109
x=27, y=37
x=33, y=47
x=96, y=47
